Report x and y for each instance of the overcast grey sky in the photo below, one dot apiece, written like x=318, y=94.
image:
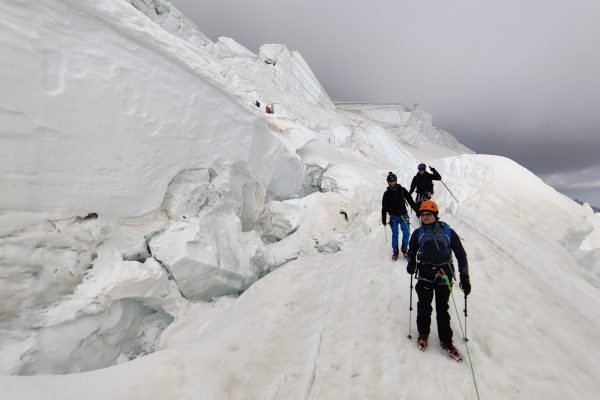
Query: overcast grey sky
x=519, y=78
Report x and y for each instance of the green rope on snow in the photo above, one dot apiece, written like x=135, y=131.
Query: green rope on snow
x=447, y=281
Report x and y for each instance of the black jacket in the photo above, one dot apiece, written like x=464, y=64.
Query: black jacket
x=455, y=243
x=424, y=183
x=394, y=202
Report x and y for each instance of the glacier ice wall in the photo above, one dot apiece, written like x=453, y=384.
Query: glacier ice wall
x=138, y=177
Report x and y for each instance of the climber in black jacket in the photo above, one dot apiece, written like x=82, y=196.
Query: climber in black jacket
x=423, y=182
x=394, y=203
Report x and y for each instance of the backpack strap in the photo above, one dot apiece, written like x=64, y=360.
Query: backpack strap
x=404, y=199
x=447, y=230
x=421, y=233
x=400, y=192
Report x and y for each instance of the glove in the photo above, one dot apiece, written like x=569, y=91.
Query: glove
x=411, y=268
x=431, y=168
x=465, y=285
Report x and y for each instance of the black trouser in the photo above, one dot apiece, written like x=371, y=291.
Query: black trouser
x=421, y=197
x=425, y=291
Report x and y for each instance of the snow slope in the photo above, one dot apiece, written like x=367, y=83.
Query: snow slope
x=139, y=180
x=334, y=326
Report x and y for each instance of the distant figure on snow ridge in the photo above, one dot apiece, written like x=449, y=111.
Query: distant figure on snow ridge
x=257, y=103
x=394, y=202
x=430, y=256
x=423, y=182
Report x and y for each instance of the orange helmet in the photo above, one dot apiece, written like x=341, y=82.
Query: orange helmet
x=430, y=206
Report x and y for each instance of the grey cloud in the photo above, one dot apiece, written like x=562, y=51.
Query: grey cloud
x=544, y=152
x=590, y=180
x=582, y=184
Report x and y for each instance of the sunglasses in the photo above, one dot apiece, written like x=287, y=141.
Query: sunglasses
x=425, y=214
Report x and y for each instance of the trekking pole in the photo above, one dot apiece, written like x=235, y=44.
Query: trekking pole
x=450, y=191
x=465, y=310
x=410, y=308
x=385, y=231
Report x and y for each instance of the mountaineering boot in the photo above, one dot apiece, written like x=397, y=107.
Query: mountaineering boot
x=451, y=350
x=405, y=252
x=395, y=255
x=422, y=342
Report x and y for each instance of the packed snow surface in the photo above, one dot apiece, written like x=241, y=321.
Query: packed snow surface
x=162, y=236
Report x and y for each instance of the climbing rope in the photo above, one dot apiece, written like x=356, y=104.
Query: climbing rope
x=447, y=281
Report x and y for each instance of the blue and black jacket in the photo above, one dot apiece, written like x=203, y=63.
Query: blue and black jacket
x=436, y=254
